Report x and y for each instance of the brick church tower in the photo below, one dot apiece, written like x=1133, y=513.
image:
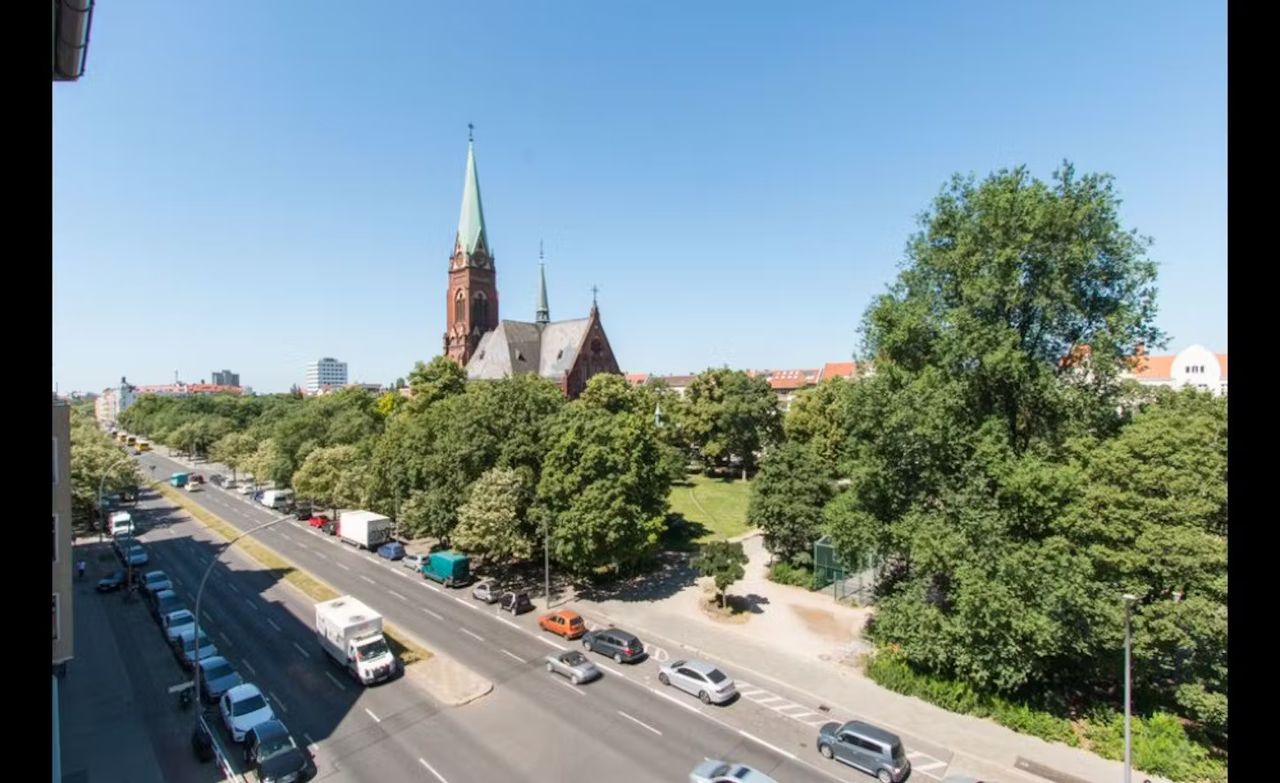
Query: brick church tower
x=472, y=298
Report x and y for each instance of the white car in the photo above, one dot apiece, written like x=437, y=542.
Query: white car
x=242, y=708
x=712, y=771
x=174, y=623
x=155, y=581
x=698, y=678
x=414, y=562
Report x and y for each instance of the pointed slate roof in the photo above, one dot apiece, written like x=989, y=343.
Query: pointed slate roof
x=543, y=314
x=471, y=233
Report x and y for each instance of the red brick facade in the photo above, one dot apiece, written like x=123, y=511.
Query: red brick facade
x=471, y=302
x=595, y=356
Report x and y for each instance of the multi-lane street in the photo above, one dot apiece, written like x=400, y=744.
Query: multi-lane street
x=533, y=726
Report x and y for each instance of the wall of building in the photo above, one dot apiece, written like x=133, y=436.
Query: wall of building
x=62, y=555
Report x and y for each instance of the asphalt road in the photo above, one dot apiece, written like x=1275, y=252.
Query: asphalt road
x=533, y=726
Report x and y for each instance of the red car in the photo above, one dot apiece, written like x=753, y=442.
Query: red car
x=322, y=522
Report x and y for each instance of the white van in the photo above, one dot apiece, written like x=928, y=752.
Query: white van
x=277, y=498
x=120, y=522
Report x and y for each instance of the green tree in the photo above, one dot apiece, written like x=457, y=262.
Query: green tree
x=233, y=450
x=819, y=418
x=728, y=414
x=492, y=523
x=95, y=460
x=440, y=378
x=723, y=561
x=335, y=477
x=603, y=491
x=787, y=499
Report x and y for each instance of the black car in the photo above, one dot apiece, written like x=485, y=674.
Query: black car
x=302, y=511
x=270, y=750
x=216, y=479
x=516, y=603
x=111, y=583
x=614, y=643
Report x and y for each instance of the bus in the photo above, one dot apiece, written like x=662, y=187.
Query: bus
x=144, y=446
x=132, y=441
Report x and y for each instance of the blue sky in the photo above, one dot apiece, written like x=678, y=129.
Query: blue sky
x=254, y=185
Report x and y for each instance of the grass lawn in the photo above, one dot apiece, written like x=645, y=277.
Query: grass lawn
x=710, y=508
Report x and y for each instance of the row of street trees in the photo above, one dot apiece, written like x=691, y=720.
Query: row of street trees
x=1013, y=485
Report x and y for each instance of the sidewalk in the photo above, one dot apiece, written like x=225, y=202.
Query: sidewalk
x=773, y=641
x=118, y=721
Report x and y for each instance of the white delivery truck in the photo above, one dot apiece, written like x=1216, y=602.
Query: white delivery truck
x=351, y=633
x=364, y=528
x=278, y=499
x=121, y=522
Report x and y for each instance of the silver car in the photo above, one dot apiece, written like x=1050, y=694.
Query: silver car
x=700, y=679
x=573, y=665
x=414, y=562
x=712, y=771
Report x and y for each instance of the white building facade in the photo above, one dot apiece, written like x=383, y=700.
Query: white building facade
x=112, y=402
x=325, y=372
x=1194, y=366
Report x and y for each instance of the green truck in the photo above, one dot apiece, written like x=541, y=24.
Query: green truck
x=178, y=479
x=451, y=569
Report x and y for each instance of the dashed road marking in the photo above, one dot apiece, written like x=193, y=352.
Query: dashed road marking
x=334, y=680
x=344, y=565
x=472, y=633
x=433, y=614
x=397, y=595
x=298, y=647
x=276, y=699
x=439, y=777
x=251, y=604
x=321, y=555
x=517, y=657
x=272, y=623
x=642, y=723
x=571, y=687
x=774, y=748
x=545, y=640
x=225, y=638
x=249, y=667
x=371, y=715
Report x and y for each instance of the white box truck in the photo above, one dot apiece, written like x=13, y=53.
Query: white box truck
x=351, y=633
x=364, y=528
x=277, y=499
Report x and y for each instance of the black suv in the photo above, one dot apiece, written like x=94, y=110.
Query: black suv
x=270, y=750
x=516, y=603
x=614, y=643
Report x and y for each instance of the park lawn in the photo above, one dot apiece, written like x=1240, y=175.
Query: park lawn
x=716, y=506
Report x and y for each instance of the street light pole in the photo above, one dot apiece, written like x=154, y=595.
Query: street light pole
x=200, y=594
x=546, y=560
x=1129, y=599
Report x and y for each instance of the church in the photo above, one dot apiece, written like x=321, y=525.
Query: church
x=567, y=352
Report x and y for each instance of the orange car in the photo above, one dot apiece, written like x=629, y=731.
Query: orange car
x=563, y=623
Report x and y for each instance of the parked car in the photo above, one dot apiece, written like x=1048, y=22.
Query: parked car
x=323, y=523
x=217, y=479
x=698, y=678
x=414, y=562
x=242, y=708
x=137, y=556
x=155, y=581
x=271, y=752
x=247, y=488
x=614, y=643
x=392, y=550
x=573, y=665
x=189, y=649
x=516, y=603
x=712, y=771
x=163, y=602
x=111, y=582
x=868, y=748
x=566, y=623
x=302, y=511
x=174, y=623
x=486, y=591
x=217, y=676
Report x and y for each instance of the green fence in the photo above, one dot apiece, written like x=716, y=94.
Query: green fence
x=858, y=583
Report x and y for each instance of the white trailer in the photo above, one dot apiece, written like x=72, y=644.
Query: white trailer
x=277, y=498
x=351, y=633
x=364, y=528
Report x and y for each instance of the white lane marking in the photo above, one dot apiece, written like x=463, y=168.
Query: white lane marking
x=276, y=699
x=750, y=694
x=371, y=715
x=367, y=579
x=334, y=680
x=405, y=574
x=312, y=744
x=344, y=565
x=233, y=587
x=251, y=604
x=642, y=723
x=250, y=668
x=508, y=622
x=774, y=748
x=304, y=546
x=320, y=555
x=225, y=638
x=397, y=595
x=298, y=647
x=545, y=640
x=570, y=687
x=926, y=767
x=439, y=777
x=472, y=633
x=517, y=657
x=465, y=603
x=676, y=701
x=768, y=699
x=433, y=614
x=427, y=584
x=272, y=623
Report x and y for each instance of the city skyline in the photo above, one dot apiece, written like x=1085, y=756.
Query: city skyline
x=736, y=202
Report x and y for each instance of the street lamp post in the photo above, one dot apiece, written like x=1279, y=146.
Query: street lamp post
x=546, y=561
x=1129, y=600
x=199, y=594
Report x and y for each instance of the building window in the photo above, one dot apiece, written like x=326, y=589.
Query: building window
x=459, y=306
x=55, y=617
x=480, y=309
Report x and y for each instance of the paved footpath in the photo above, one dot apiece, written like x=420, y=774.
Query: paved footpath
x=774, y=671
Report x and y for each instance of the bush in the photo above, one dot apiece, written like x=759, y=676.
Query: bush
x=1161, y=745
x=784, y=573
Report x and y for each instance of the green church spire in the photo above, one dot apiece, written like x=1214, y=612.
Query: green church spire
x=471, y=233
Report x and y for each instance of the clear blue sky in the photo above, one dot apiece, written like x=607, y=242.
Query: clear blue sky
x=253, y=185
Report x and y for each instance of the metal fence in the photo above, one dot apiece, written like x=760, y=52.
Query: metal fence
x=858, y=583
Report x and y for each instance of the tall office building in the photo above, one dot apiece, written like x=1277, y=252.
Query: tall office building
x=226, y=378
x=325, y=372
